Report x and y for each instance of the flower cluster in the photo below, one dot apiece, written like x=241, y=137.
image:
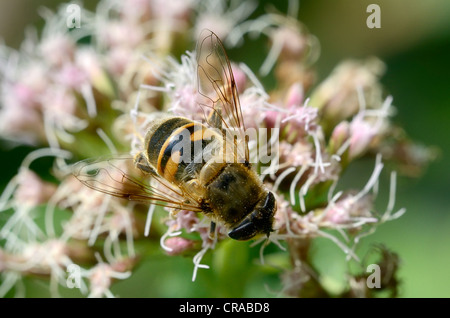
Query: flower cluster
x=92, y=91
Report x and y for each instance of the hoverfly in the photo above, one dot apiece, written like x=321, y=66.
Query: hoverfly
x=228, y=191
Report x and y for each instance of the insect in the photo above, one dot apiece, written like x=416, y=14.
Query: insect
x=197, y=166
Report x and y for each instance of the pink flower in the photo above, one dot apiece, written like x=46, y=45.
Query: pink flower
x=134, y=10
x=184, y=220
x=101, y=278
x=71, y=76
x=296, y=117
x=337, y=96
x=26, y=87
x=21, y=124
x=253, y=110
x=168, y=10
x=223, y=17
x=347, y=208
x=178, y=245
x=91, y=64
x=47, y=257
x=185, y=103
x=32, y=190
x=294, y=155
x=123, y=34
x=339, y=137
x=119, y=59
x=361, y=136
x=57, y=49
x=60, y=103
x=295, y=96
x=240, y=77
x=290, y=41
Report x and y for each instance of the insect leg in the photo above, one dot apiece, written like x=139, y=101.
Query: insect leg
x=142, y=164
x=212, y=230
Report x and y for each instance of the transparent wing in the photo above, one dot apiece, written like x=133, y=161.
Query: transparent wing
x=218, y=92
x=118, y=177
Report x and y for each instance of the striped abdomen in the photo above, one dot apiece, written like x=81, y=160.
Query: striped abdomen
x=176, y=148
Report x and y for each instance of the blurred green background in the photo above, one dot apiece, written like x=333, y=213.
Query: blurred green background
x=414, y=42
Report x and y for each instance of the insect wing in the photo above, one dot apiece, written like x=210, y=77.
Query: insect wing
x=118, y=177
x=218, y=91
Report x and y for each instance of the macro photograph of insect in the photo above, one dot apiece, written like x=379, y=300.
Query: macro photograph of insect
x=225, y=148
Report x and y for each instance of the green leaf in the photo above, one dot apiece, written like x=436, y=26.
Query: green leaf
x=231, y=265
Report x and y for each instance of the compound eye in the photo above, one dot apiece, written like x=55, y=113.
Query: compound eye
x=244, y=231
x=270, y=204
x=259, y=221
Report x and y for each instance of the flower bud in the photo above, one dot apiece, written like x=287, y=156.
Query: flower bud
x=295, y=95
x=178, y=245
x=239, y=77
x=340, y=134
x=337, y=96
x=362, y=133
